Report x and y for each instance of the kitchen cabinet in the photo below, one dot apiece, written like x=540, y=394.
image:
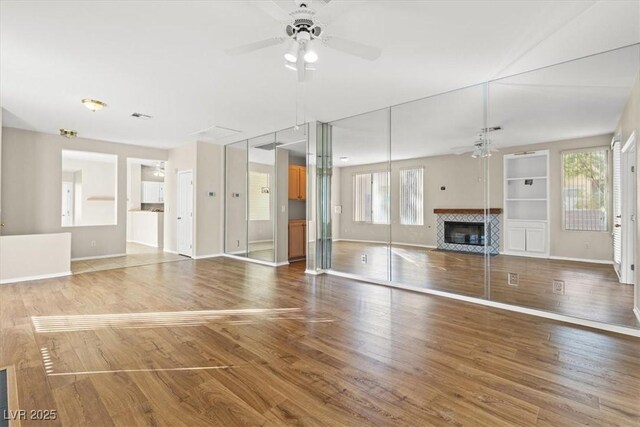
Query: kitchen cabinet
x=297, y=182
x=297, y=238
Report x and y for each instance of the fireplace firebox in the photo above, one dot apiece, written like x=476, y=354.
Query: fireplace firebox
x=464, y=233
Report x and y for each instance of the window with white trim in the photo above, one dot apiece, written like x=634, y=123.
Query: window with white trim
x=371, y=197
x=585, y=176
x=411, y=196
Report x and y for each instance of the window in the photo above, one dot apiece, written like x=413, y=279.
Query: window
x=259, y=196
x=371, y=197
x=411, y=196
x=585, y=179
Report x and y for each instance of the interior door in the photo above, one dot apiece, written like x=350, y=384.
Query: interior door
x=185, y=213
x=616, y=233
x=628, y=220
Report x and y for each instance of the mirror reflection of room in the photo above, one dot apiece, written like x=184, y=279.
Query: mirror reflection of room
x=89, y=187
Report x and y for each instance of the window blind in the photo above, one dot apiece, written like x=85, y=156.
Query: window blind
x=371, y=197
x=411, y=196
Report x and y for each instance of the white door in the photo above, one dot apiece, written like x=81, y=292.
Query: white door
x=628, y=220
x=616, y=233
x=67, y=204
x=185, y=213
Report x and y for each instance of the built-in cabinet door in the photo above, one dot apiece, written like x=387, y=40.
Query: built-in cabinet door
x=297, y=182
x=516, y=239
x=297, y=239
x=535, y=240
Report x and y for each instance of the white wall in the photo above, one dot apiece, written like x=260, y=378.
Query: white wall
x=32, y=193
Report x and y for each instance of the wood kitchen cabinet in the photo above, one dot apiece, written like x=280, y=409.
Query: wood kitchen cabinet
x=297, y=182
x=297, y=238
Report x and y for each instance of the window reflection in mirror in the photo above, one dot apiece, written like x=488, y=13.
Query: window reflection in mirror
x=89, y=187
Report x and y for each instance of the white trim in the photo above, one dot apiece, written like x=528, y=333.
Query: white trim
x=417, y=245
x=170, y=251
x=593, y=261
x=531, y=311
x=98, y=257
x=39, y=277
x=261, y=241
x=315, y=273
x=280, y=264
x=255, y=261
x=207, y=256
x=636, y=311
x=142, y=243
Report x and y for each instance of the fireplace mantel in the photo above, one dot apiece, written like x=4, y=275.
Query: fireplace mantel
x=464, y=211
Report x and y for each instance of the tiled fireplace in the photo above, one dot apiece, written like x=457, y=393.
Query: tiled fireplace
x=465, y=230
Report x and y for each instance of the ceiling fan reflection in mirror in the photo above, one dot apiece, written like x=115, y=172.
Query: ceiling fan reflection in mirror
x=304, y=32
x=482, y=146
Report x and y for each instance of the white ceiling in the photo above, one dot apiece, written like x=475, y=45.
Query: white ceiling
x=88, y=156
x=167, y=59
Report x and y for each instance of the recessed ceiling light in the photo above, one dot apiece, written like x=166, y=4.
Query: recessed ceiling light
x=93, y=104
x=68, y=133
x=344, y=159
x=141, y=116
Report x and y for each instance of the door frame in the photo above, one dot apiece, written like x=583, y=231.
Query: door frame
x=629, y=208
x=193, y=242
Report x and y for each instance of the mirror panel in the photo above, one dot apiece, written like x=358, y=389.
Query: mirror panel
x=438, y=229
x=261, y=203
x=565, y=150
x=360, y=195
x=236, y=183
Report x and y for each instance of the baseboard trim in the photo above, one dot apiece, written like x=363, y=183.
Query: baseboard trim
x=254, y=261
x=524, y=310
x=98, y=257
x=314, y=272
x=416, y=245
x=280, y=264
x=207, y=256
x=170, y=251
x=38, y=277
x=593, y=261
x=143, y=244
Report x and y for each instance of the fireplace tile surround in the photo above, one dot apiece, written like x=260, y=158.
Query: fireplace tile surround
x=492, y=229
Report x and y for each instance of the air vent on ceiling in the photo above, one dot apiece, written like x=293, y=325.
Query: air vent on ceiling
x=216, y=133
x=270, y=146
x=141, y=116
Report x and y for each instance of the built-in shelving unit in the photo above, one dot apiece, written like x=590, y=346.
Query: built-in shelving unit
x=526, y=203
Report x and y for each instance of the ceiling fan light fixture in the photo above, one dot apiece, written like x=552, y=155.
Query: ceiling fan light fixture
x=310, y=55
x=292, y=53
x=93, y=104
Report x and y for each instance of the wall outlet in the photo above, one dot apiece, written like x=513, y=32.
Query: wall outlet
x=513, y=279
x=363, y=258
x=237, y=243
x=93, y=243
x=212, y=194
x=558, y=287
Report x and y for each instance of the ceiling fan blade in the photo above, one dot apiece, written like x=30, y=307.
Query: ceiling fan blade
x=353, y=48
x=274, y=10
x=240, y=50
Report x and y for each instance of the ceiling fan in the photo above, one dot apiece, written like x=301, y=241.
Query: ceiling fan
x=481, y=147
x=304, y=32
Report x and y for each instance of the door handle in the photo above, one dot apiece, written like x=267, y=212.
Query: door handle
x=617, y=225
x=179, y=217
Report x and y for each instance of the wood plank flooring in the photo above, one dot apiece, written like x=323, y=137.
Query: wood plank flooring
x=137, y=255
x=592, y=291
x=157, y=345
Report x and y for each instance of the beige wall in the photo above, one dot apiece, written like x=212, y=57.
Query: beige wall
x=462, y=176
x=205, y=160
x=32, y=194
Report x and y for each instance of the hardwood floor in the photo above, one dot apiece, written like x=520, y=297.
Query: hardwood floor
x=592, y=291
x=158, y=345
x=137, y=255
